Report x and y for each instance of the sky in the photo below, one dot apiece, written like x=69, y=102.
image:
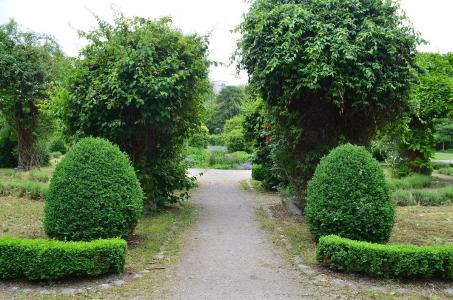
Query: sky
x=62, y=19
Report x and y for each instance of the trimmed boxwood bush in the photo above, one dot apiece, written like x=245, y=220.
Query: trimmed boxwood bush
x=50, y=260
x=94, y=193
x=403, y=261
x=348, y=196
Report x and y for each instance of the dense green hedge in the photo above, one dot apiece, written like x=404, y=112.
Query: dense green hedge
x=383, y=260
x=94, y=193
x=48, y=260
x=348, y=196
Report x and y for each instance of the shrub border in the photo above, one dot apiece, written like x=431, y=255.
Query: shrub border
x=48, y=260
x=384, y=260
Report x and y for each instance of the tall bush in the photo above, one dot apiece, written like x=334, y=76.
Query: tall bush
x=328, y=71
x=348, y=196
x=94, y=193
x=140, y=83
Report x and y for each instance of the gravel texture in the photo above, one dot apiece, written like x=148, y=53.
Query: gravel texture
x=226, y=255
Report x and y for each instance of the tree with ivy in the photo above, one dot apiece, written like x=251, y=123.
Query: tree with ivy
x=28, y=64
x=329, y=71
x=431, y=98
x=140, y=83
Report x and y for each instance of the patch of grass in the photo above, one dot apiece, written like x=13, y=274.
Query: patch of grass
x=216, y=159
x=410, y=182
x=441, y=165
x=21, y=217
x=446, y=171
x=419, y=225
x=23, y=188
x=434, y=197
x=443, y=156
x=153, y=231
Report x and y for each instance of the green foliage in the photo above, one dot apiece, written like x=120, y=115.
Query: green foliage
x=200, y=137
x=396, y=261
x=141, y=84
x=227, y=104
x=216, y=159
x=441, y=165
x=431, y=98
x=328, y=71
x=436, y=197
x=412, y=181
x=216, y=140
x=57, y=145
x=234, y=134
x=444, y=134
x=348, y=196
x=235, y=141
x=94, y=193
x=258, y=172
x=28, y=62
x=44, y=260
x=8, y=148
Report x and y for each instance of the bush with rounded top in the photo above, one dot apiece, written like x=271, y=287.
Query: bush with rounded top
x=348, y=196
x=94, y=193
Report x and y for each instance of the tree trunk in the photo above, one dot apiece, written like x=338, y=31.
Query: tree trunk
x=26, y=148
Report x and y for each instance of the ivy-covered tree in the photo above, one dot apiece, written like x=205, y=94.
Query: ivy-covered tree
x=28, y=64
x=431, y=98
x=140, y=83
x=329, y=71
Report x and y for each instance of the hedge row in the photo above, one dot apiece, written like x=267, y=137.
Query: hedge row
x=404, y=261
x=48, y=260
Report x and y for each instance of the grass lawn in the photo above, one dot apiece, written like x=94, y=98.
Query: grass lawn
x=443, y=156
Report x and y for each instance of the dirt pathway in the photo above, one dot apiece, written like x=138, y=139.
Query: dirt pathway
x=226, y=255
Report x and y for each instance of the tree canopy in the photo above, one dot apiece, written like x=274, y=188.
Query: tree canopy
x=29, y=64
x=431, y=98
x=226, y=105
x=140, y=83
x=329, y=71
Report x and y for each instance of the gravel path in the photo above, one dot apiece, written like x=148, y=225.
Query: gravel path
x=226, y=255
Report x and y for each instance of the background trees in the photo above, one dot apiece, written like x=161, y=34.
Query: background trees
x=328, y=71
x=431, y=98
x=224, y=106
x=140, y=83
x=29, y=65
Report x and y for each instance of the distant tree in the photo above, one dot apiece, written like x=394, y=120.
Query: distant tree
x=430, y=98
x=227, y=105
x=444, y=134
x=28, y=67
x=329, y=71
x=140, y=83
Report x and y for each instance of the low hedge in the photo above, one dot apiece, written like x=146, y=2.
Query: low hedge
x=48, y=260
x=383, y=260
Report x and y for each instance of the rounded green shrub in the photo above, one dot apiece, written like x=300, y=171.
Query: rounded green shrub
x=94, y=193
x=235, y=140
x=57, y=145
x=200, y=137
x=348, y=196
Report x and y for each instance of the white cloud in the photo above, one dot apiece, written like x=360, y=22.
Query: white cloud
x=61, y=18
